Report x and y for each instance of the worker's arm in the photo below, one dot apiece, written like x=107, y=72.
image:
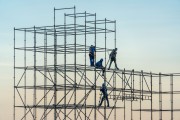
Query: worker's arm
x=110, y=55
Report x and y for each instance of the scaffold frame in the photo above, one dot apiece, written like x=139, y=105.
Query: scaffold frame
x=52, y=79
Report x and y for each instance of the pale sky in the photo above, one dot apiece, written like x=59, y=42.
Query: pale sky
x=148, y=34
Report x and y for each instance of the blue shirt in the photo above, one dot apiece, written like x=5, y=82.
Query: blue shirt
x=99, y=64
x=92, y=49
x=104, y=90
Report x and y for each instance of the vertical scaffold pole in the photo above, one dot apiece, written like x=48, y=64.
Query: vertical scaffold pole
x=124, y=95
x=132, y=91
x=105, y=72
x=55, y=69
x=45, y=73
x=160, y=97
x=114, y=93
x=75, y=63
x=14, y=110
x=122, y=89
x=115, y=72
x=85, y=66
x=151, y=96
x=34, y=103
x=25, y=74
x=133, y=84
x=115, y=34
x=95, y=70
x=65, y=66
x=131, y=95
x=140, y=97
x=171, y=84
x=122, y=86
x=142, y=85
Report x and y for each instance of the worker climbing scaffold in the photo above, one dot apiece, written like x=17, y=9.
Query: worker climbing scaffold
x=103, y=89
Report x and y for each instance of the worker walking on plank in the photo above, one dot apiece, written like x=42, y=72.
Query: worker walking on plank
x=112, y=58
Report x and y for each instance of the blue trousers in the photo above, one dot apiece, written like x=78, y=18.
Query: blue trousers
x=105, y=97
x=91, y=57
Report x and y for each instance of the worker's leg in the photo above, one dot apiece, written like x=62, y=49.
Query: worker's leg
x=91, y=60
x=115, y=63
x=110, y=63
x=92, y=64
x=107, y=100
x=101, y=101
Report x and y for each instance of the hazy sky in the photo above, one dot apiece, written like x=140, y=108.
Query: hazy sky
x=148, y=34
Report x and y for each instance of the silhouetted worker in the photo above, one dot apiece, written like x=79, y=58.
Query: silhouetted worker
x=103, y=89
x=92, y=51
x=112, y=58
x=100, y=66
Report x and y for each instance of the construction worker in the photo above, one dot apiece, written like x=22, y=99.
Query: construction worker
x=92, y=53
x=99, y=65
x=112, y=58
x=103, y=89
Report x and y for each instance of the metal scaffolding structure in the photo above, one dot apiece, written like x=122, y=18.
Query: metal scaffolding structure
x=53, y=78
